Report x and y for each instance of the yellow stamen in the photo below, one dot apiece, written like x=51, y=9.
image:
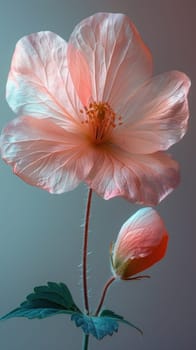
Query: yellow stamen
x=100, y=119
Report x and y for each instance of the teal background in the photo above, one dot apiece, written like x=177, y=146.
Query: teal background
x=41, y=234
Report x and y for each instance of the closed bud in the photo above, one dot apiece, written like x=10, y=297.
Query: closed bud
x=142, y=242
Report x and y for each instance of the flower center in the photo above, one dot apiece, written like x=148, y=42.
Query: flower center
x=101, y=119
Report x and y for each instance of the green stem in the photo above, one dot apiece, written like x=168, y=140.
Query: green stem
x=85, y=251
x=85, y=342
x=105, y=288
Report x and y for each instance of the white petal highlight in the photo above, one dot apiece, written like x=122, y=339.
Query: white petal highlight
x=39, y=83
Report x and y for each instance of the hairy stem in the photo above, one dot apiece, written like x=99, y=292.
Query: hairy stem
x=105, y=288
x=85, y=252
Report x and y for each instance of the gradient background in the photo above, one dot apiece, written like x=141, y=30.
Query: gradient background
x=41, y=234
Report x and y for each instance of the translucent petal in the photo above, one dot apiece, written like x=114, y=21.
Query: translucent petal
x=117, y=58
x=44, y=155
x=156, y=116
x=145, y=179
x=39, y=83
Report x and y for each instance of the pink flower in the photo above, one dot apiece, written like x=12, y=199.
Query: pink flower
x=141, y=242
x=89, y=110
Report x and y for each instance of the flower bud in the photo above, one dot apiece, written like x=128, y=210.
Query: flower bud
x=142, y=242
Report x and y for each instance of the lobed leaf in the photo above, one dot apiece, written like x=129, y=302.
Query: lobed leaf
x=45, y=301
x=111, y=314
x=99, y=326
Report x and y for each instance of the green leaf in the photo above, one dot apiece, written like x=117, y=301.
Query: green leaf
x=97, y=326
x=111, y=314
x=45, y=301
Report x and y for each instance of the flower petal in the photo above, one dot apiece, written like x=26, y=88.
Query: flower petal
x=140, y=233
x=44, y=155
x=156, y=116
x=80, y=74
x=142, y=241
x=145, y=179
x=39, y=83
x=118, y=60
